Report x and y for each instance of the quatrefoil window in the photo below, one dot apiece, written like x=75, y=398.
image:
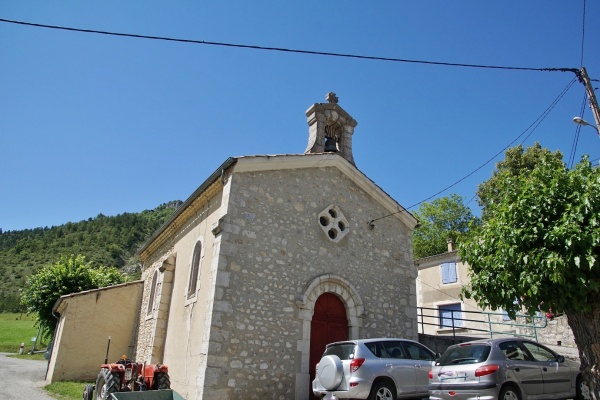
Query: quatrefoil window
x=333, y=223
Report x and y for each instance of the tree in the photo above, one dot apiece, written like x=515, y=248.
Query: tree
x=68, y=275
x=517, y=162
x=539, y=246
x=442, y=219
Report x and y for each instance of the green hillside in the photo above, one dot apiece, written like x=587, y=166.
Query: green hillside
x=110, y=241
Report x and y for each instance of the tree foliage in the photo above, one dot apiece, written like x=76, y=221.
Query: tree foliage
x=442, y=219
x=539, y=247
x=103, y=240
x=68, y=275
x=541, y=242
x=517, y=162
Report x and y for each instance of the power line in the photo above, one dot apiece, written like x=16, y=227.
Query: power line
x=577, y=131
x=287, y=50
x=531, y=127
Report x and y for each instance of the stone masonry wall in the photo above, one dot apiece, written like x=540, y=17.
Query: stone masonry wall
x=272, y=248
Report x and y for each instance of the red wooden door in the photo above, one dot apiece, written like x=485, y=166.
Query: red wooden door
x=329, y=324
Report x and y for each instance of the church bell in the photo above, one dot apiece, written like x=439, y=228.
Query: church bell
x=330, y=145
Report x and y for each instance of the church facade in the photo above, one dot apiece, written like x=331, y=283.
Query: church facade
x=271, y=258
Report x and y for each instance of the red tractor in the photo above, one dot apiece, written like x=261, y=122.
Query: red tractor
x=127, y=376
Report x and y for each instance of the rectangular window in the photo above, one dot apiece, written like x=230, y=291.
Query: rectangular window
x=449, y=273
x=451, y=315
x=152, y=293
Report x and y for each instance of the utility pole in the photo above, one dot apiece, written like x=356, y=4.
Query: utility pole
x=585, y=79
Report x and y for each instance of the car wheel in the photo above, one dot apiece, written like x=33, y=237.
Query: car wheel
x=509, y=393
x=330, y=372
x=582, y=390
x=382, y=391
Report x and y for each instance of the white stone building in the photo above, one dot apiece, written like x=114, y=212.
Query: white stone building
x=271, y=258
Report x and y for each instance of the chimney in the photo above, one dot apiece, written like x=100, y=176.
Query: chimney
x=330, y=129
x=450, y=245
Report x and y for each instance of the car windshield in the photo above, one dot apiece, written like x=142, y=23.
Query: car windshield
x=465, y=354
x=344, y=351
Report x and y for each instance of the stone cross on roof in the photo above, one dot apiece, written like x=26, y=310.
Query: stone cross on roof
x=331, y=98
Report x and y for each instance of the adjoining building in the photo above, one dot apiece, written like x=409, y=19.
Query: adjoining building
x=442, y=311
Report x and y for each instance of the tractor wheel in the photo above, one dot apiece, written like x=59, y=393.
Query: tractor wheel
x=161, y=381
x=106, y=384
x=88, y=392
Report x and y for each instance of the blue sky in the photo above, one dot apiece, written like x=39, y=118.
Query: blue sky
x=96, y=124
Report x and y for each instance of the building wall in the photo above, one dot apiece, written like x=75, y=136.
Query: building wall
x=87, y=319
x=275, y=259
x=182, y=321
x=432, y=293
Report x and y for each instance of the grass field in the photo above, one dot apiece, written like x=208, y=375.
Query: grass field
x=16, y=329
x=66, y=390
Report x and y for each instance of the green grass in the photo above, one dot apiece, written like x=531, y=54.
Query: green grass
x=66, y=390
x=16, y=329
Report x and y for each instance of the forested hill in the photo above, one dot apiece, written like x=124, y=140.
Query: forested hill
x=109, y=241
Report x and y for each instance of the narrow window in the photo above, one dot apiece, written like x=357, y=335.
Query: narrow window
x=152, y=293
x=451, y=315
x=449, y=273
x=194, y=270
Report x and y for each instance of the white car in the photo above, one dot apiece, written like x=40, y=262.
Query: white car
x=373, y=369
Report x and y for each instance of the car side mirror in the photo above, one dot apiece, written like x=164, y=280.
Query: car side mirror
x=560, y=359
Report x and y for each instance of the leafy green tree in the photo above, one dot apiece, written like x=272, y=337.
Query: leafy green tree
x=68, y=275
x=539, y=246
x=102, y=240
x=517, y=161
x=442, y=219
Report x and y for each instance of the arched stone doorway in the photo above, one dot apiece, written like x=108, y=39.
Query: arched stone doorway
x=306, y=302
x=329, y=324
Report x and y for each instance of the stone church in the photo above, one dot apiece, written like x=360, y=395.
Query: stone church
x=270, y=259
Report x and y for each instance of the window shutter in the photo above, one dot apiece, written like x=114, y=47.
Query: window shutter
x=449, y=272
x=445, y=277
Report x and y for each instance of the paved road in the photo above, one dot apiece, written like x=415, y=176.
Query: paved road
x=22, y=379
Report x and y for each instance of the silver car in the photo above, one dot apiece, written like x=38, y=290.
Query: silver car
x=373, y=369
x=503, y=369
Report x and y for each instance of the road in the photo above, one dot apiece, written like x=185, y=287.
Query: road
x=22, y=379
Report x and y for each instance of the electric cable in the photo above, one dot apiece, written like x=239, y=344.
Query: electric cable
x=281, y=49
x=577, y=131
x=531, y=127
x=446, y=294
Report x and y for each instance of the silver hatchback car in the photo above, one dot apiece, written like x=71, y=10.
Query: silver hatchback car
x=504, y=369
x=374, y=369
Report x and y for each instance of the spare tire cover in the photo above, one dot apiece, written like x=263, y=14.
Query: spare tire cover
x=330, y=372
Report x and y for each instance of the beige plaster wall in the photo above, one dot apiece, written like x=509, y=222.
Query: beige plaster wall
x=86, y=321
x=185, y=319
x=433, y=293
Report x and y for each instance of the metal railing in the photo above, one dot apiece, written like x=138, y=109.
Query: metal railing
x=482, y=323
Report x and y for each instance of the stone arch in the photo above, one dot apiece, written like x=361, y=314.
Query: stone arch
x=305, y=301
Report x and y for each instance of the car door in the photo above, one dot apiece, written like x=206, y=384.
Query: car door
x=522, y=368
x=422, y=359
x=399, y=366
x=556, y=375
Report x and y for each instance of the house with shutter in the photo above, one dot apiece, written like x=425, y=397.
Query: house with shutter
x=442, y=311
x=270, y=259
